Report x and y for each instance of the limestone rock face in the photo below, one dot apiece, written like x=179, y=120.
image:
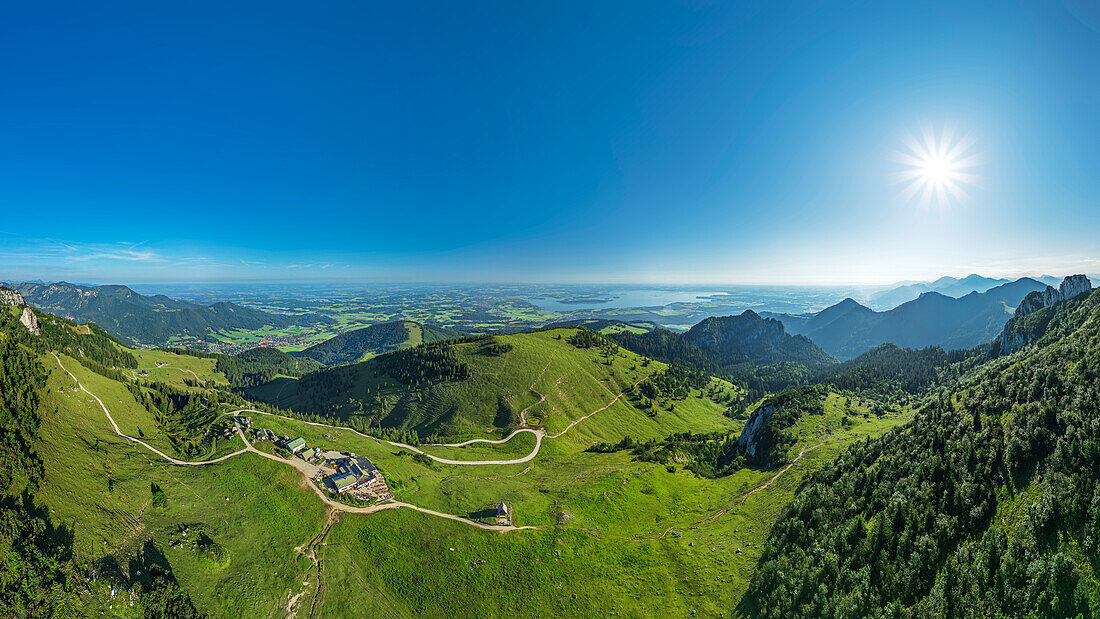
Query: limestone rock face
x=1074, y=285
x=1071, y=287
x=747, y=440
x=1017, y=333
x=11, y=297
x=30, y=321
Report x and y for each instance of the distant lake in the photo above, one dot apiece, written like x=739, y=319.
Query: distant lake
x=616, y=299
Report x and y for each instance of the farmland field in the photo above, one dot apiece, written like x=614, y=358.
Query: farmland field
x=479, y=309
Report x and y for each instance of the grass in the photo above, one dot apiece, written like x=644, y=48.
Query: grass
x=575, y=382
x=592, y=505
x=581, y=567
x=98, y=485
x=520, y=445
x=622, y=327
x=132, y=418
x=175, y=368
x=587, y=559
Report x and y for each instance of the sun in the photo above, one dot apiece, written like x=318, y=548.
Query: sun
x=937, y=168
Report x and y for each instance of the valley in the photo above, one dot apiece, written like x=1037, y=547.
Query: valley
x=597, y=511
x=700, y=310
x=608, y=462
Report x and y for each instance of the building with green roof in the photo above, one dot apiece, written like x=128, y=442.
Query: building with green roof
x=343, y=482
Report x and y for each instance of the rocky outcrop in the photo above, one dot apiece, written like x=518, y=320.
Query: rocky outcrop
x=1009, y=342
x=1071, y=287
x=1023, y=328
x=30, y=321
x=747, y=440
x=11, y=297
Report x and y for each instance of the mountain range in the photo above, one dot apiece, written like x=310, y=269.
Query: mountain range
x=1032, y=317
x=848, y=329
x=721, y=343
x=155, y=319
x=949, y=286
x=964, y=465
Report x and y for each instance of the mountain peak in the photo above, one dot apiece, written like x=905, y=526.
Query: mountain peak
x=1016, y=333
x=11, y=297
x=847, y=305
x=933, y=294
x=1072, y=286
x=751, y=337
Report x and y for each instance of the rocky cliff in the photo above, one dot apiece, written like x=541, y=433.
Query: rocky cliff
x=11, y=297
x=1070, y=288
x=747, y=440
x=29, y=320
x=1029, y=321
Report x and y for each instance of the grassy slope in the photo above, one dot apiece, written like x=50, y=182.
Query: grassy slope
x=369, y=342
x=379, y=561
x=607, y=499
x=132, y=418
x=177, y=368
x=575, y=382
x=98, y=484
x=382, y=557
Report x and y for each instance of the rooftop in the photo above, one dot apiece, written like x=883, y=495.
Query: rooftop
x=343, y=482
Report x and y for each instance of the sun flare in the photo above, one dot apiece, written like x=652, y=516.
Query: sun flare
x=936, y=169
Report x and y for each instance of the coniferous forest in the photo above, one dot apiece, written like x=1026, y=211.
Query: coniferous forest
x=987, y=504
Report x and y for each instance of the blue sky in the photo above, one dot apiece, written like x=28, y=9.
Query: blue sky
x=631, y=142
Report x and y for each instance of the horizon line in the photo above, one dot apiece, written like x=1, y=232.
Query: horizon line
x=396, y=282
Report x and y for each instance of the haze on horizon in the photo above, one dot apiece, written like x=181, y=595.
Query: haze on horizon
x=701, y=143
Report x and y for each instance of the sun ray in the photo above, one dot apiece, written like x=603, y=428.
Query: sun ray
x=916, y=147
x=930, y=146
x=955, y=189
x=906, y=175
x=959, y=148
x=947, y=139
x=913, y=188
x=908, y=159
x=965, y=177
x=927, y=193
x=967, y=162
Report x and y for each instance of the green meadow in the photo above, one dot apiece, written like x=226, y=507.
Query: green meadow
x=171, y=368
x=615, y=536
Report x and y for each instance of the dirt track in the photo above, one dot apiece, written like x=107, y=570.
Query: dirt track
x=306, y=469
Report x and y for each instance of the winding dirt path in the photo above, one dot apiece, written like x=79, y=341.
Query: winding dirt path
x=300, y=465
x=738, y=500
x=602, y=408
x=138, y=441
x=538, y=432
x=318, y=603
x=308, y=471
